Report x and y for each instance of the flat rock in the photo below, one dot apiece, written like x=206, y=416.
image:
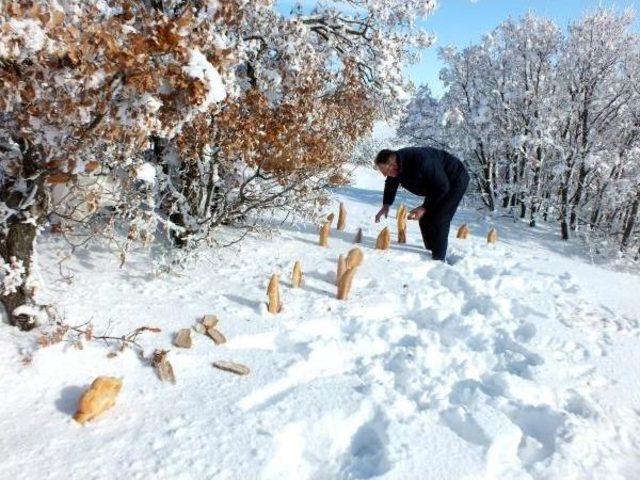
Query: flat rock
x=183, y=338
x=209, y=321
x=232, y=367
x=216, y=335
x=163, y=368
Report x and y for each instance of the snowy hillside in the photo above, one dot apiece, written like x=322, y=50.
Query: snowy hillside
x=520, y=361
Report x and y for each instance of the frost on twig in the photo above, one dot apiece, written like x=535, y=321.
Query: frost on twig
x=59, y=331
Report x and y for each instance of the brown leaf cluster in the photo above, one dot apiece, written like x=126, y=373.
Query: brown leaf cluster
x=308, y=132
x=100, y=85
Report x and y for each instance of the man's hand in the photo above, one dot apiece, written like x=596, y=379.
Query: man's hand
x=417, y=213
x=383, y=211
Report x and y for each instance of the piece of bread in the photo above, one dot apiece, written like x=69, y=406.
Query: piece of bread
x=101, y=396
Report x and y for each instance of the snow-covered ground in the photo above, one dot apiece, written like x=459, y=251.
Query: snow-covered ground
x=520, y=361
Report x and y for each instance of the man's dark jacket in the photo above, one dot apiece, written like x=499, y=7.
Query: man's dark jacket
x=427, y=172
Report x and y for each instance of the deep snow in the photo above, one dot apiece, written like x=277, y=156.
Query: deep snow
x=519, y=361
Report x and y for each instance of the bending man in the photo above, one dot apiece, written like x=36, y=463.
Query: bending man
x=431, y=173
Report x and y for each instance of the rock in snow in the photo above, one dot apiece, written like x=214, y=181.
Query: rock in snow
x=216, y=335
x=183, y=338
x=163, y=367
x=232, y=367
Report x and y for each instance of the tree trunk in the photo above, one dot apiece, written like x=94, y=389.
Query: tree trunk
x=487, y=185
x=564, y=198
x=546, y=205
x=17, y=243
x=512, y=187
x=507, y=181
x=522, y=185
x=595, y=216
x=577, y=198
x=534, y=199
x=564, y=201
x=630, y=224
x=597, y=208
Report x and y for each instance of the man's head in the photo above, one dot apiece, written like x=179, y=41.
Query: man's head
x=387, y=163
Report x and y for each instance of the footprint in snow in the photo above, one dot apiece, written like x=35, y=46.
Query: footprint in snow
x=367, y=455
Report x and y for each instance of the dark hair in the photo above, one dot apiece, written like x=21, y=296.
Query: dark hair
x=384, y=156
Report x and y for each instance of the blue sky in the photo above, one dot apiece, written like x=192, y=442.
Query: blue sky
x=462, y=22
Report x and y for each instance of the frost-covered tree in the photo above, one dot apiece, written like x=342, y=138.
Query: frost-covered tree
x=593, y=91
x=546, y=121
x=83, y=87
x=308, y=85
x=175, y=117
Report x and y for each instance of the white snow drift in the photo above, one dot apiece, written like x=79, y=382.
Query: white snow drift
x=512, y=363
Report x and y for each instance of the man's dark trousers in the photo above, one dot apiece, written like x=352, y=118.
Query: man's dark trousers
x=434, y=226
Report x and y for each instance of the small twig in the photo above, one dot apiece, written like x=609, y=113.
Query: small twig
x=66, y=277
x=85, y=330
